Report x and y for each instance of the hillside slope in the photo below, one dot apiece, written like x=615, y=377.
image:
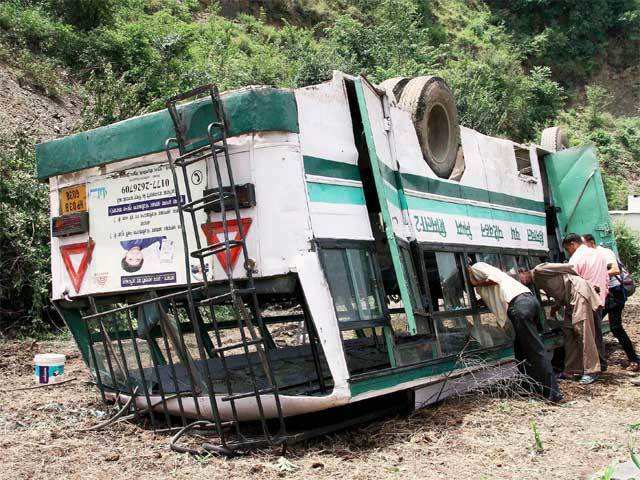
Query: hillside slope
x=33, y=113
x=515, y=67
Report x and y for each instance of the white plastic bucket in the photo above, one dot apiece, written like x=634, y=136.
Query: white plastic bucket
x=49, y=367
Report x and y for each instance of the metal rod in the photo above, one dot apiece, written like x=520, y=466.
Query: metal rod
x=95, y=362
x=156, y=370
x=141, y=370
x=174, y=375
x=142, y=302
x=190, y=373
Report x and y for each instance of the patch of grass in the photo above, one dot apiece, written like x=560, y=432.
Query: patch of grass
x=607, y=474
x=632, y=452
x=40, y=73
x=633, y=427
x=539, y=448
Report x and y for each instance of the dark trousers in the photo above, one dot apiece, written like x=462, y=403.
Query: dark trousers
x=524, y=313
x=597, y=320
x=614, y=307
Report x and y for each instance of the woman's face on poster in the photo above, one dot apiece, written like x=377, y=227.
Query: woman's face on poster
x=133, y=257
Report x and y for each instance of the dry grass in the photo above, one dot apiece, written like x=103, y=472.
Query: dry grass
x=473, y=437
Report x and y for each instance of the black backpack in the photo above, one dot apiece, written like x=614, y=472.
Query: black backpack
x=626, y=280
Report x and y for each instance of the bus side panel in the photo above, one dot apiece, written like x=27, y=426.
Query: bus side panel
x=334, y=186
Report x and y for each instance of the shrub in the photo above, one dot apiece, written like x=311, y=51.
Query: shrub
x=24, y=238
x=628, y=242
x=39, y=72
x=84, y=14
x=617, y=140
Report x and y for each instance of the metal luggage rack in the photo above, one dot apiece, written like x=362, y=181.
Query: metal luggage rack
x=116, y=353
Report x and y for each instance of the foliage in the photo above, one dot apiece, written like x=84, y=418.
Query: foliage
x=111, y=99
x=24, y=237
x=84, y=14
x=572, y=38
x=39, y=72
x=628, y=242
x=536, y=435
x=157, y=49
x=607, y=474
x=617, y=140
x=512, y=66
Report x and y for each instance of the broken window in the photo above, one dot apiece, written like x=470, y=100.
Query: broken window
x=446, y=283
x=523, y=161
x=354, y=284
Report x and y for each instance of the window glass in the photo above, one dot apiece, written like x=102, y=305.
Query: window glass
x=412, y=278
x=446, y=283
x=490, y=258
x=510, y=265
x=537, y=261
x=336, y=270
x=489, y=331
x=352, y=282
x=367, y=297
x=453, y=334
x=523, y=262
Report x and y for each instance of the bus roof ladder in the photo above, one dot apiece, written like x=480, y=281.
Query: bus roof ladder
x=244, y=301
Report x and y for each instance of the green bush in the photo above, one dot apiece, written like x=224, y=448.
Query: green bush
x=628, y=242
x=24, y=238
x=573, y=37
x=39, y=72
x=505, y=61
x=84, y=14
x=617, y=140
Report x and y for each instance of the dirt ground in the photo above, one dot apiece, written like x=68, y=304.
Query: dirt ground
x=473, y=437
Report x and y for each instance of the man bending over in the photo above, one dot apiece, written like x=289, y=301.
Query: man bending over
x=502, y=292
x=561, y=282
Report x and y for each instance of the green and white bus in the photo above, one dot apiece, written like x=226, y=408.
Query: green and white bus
x=264, y=254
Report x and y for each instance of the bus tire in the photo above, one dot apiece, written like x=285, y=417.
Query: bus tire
x=435, y=118
x=394, y=86
x=554, y=139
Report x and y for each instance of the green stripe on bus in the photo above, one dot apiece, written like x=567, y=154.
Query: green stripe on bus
x=392, y=377
x=326, y=193
x=330, y=168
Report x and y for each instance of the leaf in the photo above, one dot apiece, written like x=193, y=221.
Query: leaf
x=284, y=465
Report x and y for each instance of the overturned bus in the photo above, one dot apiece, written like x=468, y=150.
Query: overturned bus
x=250, y=258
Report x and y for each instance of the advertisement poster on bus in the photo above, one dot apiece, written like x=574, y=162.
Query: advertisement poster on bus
x=136, y=230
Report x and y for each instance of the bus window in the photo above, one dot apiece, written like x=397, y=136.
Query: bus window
x=363, y=276
x=490, y=258
x=448, y=294
x=352, y=282
x=412, y=277
x=514, y=263
x=494, y=331
x=446, y=283
x=354, y=285
x=510, y=265
x=453, y=334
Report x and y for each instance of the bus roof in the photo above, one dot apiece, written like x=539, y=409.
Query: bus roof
x=251, y=109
